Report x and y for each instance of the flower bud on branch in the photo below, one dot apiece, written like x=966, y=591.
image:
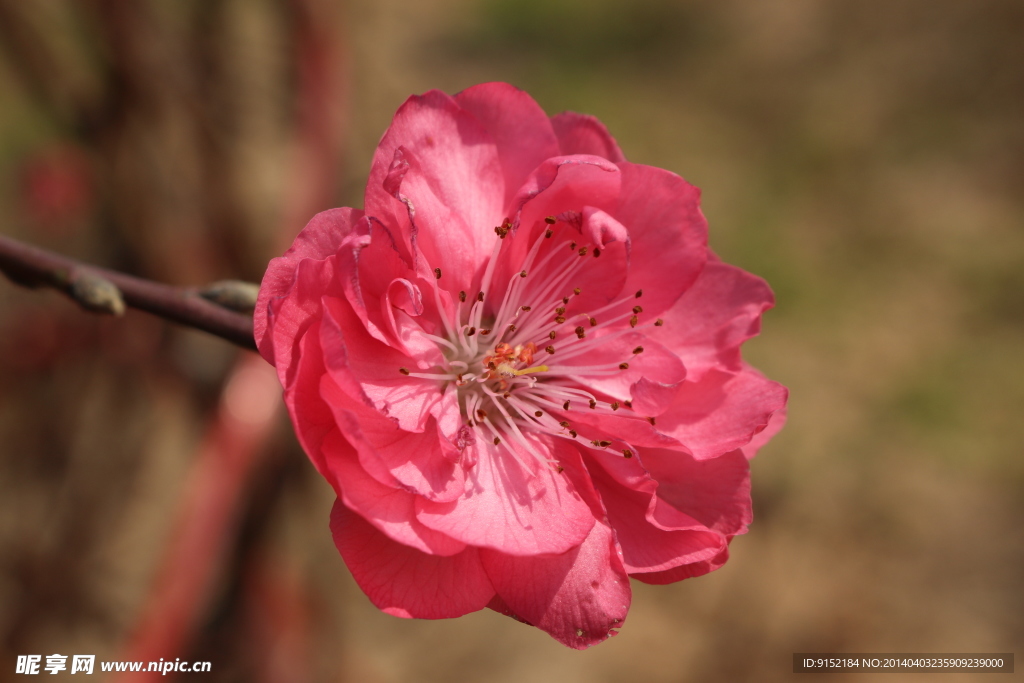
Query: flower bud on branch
x=213, y=309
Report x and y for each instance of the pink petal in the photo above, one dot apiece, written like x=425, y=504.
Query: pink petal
x=645, y=546
x=414, y=460
x=578, y=597
x=582, y=134
x=565, y=185
x=404, y=582
x=715, y=492
x=721, y=411
x=312, y=417
x=319, y=239
x=289, y=316
x=775, y=425
x=440, y=162
x=520, y=129
x=390, y=510
x=708, y=323
x=369, y=371
x=668, y=235
x=519, y=509
x=686, y=571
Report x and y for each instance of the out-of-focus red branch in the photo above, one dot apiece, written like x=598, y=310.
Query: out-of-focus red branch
x=108, y=291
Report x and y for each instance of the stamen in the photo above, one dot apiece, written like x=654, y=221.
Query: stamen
x=437, y=273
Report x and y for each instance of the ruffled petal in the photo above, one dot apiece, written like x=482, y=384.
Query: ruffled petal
x=390, y=510
x=710, y=321
x=721, y=411
x=645, y=546
x=405, y=582
x=319, y=239
x=414, y=461
x=583, y=134
x=579, y=597
x=716, y=492
x=440, y=162
x=519, y=127
x=668, y=234
x=775, y=425
x=686, y=571
x=370, y=371
x=513, y=503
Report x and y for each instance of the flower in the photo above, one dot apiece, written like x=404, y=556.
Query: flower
x=519, y=368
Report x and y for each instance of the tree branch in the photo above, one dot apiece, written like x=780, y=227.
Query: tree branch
x=107, y=291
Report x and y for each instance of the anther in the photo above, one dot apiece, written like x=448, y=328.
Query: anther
x=560, y=310
x=639, y=293
x=614, y=405
x=538, y=413
x=572, y=433
x=565, y=300
x=651, y=420
x=563, y=423
x=627, y=453
x=604, y=444
x=470, y=332
x=638, y=349
x=522, y=273
x=582, y=251
x=511, y=328
x=565, y=406
x=580, y=332
x=593, y=321
x=551, y=334
x=559, y=469
x=506, y=394
x=597, y=252
x=628, y=404
x=524, y=308
x=623, y=366
x=496, y=441
x=593, y=404
x=550, y=220
x=638, y=309
x=481, y=414
x=479, y=296
x=485, y=332
x=549, y=349
x=560, y=319
x=462, y=296
x=437, y=273
x=633, y=321
x=659, y=322
x=548, y=233
x=404, y=371
x=572, y=247
x=576, y=291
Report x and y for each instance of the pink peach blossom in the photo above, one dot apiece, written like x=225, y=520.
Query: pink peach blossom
x=519, y=368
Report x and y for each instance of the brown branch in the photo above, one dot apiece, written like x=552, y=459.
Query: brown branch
x=108, y=291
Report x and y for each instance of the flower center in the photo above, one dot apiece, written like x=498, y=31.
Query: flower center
x=520, y=361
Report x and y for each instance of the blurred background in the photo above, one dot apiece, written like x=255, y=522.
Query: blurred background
x=866, y=158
